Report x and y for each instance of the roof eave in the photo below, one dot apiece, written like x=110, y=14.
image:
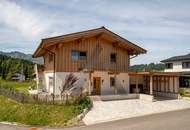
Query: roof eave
x=35, y=54
x=137, y=50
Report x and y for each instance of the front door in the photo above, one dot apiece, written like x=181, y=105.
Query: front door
x=97, y=85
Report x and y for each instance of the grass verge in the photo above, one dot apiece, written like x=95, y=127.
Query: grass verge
x=184, y=92
x=19, y=86
x=41, y=115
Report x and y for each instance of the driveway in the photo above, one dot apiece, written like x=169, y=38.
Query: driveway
x=104, y=111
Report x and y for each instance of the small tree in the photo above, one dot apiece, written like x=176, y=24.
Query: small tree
x=68, y=86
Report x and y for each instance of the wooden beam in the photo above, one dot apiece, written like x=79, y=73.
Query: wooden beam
x=157, y=83
x=90, y=83
x=164, y=83
x=169, y=84
x=173, y=84
x=151, y=85
x=137, y=80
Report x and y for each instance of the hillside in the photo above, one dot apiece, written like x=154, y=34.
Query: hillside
x=148, y=67
x=20, y=55
x=9, y=66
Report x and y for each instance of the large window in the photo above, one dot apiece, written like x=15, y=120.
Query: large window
x=169, y=65
x=186, y=65
x=78, y=55
x=75, y=55
x=113, y=57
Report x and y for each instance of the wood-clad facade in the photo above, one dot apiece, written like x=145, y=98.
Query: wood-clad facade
x=98, y=51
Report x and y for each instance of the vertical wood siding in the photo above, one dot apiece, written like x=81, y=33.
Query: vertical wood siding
x=98, y=56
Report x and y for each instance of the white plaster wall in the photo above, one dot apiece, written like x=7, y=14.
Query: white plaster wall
x=122, y=82
x=83, y=81
x=177, y=67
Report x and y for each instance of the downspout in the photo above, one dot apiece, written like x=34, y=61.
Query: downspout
x=53, y=71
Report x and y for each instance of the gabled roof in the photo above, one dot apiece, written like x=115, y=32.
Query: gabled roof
x=124, y=43
x=177, y=58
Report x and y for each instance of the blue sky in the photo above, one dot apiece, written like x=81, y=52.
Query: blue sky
x=160, y=26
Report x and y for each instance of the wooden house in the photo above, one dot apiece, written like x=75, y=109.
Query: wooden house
x=99, y=58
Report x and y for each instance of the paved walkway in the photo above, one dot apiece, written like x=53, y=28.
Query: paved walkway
x=114, y=110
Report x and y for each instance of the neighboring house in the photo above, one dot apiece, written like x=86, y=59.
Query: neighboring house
x=18, y=77
x=99, y=59
x=179, y=64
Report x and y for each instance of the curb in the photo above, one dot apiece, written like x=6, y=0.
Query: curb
x=86, y=110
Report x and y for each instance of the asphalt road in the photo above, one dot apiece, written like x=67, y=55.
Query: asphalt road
x=178, y=120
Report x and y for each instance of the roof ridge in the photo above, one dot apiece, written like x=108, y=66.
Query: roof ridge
x=177, y=58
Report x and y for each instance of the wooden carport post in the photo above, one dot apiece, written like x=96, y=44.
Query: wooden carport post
x=137, y=82
x=151, y=84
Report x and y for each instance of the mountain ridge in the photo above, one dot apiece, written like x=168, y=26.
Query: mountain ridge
x=21, y=55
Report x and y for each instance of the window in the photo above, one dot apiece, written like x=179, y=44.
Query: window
x=50, y=57
x=185, y=65
x=112, y=81
x=83, y=56
x=50, y=81
x=77, y=55
x=169, y=65
x=113, y=58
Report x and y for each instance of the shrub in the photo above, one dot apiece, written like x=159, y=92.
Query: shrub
x=182, y=91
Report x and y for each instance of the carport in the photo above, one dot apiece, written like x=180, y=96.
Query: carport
x=165, y=84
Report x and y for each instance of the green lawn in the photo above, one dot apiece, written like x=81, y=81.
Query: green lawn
x=184, y=92
x=20, y=86
x=33, y=114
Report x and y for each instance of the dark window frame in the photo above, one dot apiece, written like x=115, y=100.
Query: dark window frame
x=113, y=57
x=82, y=55
x=186, y=65
x=112, y=81
x=169, y=65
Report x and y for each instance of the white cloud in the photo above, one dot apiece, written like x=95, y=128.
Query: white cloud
x=158, y=26
x=24, y=21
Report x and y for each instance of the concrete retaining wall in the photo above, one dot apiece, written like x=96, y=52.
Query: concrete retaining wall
x=169, y=95
x=119, y=97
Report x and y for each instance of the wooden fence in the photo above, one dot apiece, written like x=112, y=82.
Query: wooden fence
x=38, y=98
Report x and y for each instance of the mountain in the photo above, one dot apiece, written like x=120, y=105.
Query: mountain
x=147, y=67
x=20, y=55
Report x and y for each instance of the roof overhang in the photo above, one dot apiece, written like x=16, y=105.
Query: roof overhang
x=99, y=33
